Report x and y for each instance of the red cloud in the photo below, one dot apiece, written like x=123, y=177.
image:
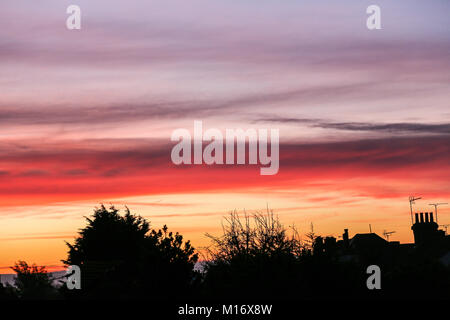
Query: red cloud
x=67, y=173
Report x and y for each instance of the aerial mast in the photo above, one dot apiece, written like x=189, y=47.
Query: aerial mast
x=435, y=208
x=411, y=201
x=387, y=234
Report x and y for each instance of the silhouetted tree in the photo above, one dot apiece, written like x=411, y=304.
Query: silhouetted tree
x=310, y=241
x=33, y=282
x=255, y=256
x=120, y=256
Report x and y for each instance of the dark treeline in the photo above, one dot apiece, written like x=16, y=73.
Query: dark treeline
x=256, y=257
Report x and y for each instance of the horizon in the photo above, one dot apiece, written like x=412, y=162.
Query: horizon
x=86, y=116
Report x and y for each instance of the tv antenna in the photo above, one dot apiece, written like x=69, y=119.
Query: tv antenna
x=387, y=234
x=411, y=201
x=435, y=208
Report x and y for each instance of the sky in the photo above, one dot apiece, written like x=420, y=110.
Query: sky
x=86, y=115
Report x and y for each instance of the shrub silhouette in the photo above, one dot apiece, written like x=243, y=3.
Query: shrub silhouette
x=255, y=256
x=33, y=282
x=121, y=257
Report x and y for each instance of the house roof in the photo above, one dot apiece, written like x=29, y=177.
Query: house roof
x=367, y=240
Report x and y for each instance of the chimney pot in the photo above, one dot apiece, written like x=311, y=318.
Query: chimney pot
x=345, y=238
x=431, y=217
x=426, y=217
x=417, y=217
x=421, y=217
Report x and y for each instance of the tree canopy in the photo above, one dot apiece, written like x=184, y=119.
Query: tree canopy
x=122, y=256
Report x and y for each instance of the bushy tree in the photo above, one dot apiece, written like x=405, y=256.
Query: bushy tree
x=122, y=257
x=33, y=282
x=254, y=256
x=260, y=234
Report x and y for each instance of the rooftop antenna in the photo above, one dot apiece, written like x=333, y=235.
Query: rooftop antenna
x=411, y=201
x=387, y=234
x=445, y=226
x=435, y=208
x=370, y=228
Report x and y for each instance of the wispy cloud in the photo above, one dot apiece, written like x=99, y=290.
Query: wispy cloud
x=405, y=127
x=390, y=127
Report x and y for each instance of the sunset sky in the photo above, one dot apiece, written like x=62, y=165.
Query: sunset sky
x=86, y=115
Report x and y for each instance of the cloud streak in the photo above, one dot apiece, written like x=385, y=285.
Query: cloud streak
x=418, y=128
x=147, y=170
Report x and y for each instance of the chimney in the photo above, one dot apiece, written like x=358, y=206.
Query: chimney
x=421, y=217
x=431, y=217
x=426, y=217
x=417, y=217
x=345, y=238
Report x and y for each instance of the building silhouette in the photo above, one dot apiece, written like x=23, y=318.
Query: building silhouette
x=426, y=232
x=429, y=241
